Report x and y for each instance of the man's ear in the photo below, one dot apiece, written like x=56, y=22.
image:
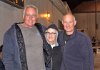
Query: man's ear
x=62, y=22
x=75, y=22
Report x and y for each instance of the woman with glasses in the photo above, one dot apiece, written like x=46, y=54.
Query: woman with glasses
x=52, y=51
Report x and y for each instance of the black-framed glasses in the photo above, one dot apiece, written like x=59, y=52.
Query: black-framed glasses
x=52, y=33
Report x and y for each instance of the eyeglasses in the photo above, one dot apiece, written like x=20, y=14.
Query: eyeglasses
x=48, y=33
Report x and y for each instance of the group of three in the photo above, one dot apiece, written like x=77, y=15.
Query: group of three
x=31, y=46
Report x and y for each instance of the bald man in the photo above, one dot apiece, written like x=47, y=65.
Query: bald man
x=77, y=47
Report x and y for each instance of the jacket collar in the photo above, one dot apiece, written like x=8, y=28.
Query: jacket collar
x=71, y=36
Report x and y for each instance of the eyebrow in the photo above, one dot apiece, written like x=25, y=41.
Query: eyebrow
x=50, y=32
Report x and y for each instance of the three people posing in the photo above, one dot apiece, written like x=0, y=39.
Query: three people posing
x=28, y=47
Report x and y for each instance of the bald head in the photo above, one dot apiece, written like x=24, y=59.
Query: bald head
x=69, y=15
x=69, y=23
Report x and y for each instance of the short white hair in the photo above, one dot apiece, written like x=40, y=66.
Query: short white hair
x=30, y=6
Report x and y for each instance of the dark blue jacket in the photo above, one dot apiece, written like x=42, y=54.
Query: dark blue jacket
x=13, y=53
x=77, y=52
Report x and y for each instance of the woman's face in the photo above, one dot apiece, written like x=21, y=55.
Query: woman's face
x=51, y=35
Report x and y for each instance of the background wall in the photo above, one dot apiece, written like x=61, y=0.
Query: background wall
x=88, y=16
x=8, y=16
x=98, y=26
x=86, y=21
x=46, y=6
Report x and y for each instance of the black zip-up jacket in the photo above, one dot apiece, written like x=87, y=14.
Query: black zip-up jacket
x=53, y=57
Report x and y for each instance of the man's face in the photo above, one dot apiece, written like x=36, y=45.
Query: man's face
x=69, y=23
x=30, y=17
x=51, y=35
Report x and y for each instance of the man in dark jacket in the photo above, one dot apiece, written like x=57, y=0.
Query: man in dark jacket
x=77, y=48
x=23, y=43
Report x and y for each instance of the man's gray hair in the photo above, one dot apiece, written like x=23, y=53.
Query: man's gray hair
x=30, y=6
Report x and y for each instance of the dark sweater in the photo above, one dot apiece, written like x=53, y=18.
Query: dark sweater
x=56, y=58
x=77, y=52
x=53, y=57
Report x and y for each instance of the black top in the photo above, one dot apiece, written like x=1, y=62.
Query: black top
x=53, y=57
x=2, y=65
x=56, y=58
